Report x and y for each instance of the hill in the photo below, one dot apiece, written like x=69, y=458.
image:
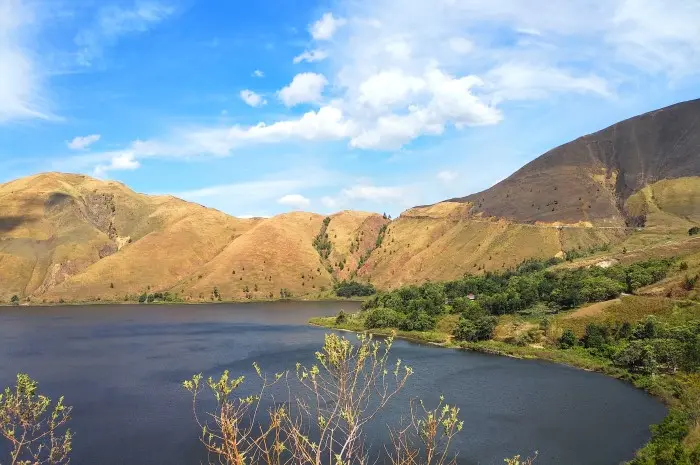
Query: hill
x=632, y=187
x=627, y=187
x=592, y=178
x=66, y=237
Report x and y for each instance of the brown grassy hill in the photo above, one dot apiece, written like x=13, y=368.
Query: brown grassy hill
x=278, y=254
x=444, y=241
x=353, y=235
x=591, y=178
x=73, y=237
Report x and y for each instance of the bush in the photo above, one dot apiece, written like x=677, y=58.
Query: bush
x=567, y=339
x=353, y=288
x=35, y=430
x=481, y=329
x=383, y=318
x=341, y=318
x=695, y=230
x=14, y=300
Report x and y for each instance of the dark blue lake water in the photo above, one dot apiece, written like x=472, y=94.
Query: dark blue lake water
x=121, y=367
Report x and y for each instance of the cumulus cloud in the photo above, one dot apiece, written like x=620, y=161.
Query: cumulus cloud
x=122, y=161
x=304, y=88
x=325, y=28
x=83, y=142
x=251, y=98
x=258, y=74
x=399, y=70
x=114, y=21
x=310, y=56
x=294, y=200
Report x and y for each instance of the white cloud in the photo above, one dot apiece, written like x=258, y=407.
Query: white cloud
x=113, y=21
x=258, y=74
x=252, y=99
x=325, y=28
x=461, y=46
x=259, y=195
x=329, y=202
x=521, y=81
x=294, y=200
x=21, y=80
x=121, y=161
x=397, y=69
x=304, y=88
x=447, y=176
x=311, y=56
x=374, y=193
x=83, y=142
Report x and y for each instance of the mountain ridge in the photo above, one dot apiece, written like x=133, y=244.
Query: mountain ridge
x=69, y=237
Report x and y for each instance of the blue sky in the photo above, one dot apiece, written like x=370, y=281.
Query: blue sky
x=261, y=107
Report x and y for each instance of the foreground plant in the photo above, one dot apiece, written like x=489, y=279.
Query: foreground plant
x=326, y=410
x=36, y=430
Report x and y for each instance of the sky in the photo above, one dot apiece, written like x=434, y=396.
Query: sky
x=258, y=107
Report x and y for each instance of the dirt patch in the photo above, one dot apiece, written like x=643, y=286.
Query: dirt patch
x=592, y=310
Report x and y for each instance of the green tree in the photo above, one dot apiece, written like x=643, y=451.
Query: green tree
x=567, y=339
x=14, y=300
x=34, y=429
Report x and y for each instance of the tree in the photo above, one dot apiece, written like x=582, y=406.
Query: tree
x=14, y=300
x=35, y=430
x=695, y=230
x=329, y=404
x=567, y=339
x=341, y=318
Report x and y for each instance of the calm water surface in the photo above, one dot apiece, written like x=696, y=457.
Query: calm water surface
x=121, y=368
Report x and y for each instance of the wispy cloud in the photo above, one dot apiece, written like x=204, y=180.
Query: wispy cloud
x=252, y=98
x=82, y=142
x=22, y=86
x=326, y=26
x=310, y=56
x=113, y=22
x=257, y=195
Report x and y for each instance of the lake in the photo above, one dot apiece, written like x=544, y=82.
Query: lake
x=121, y=368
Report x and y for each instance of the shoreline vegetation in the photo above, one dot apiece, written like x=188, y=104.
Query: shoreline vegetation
x=585, y=318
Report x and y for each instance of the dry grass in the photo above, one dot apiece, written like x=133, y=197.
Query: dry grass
x=441, y=242
x=630, y=309
x=591, y=310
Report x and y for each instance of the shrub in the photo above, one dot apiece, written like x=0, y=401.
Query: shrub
x=14, y=300
x=353, y=288
x=481, y=329
x=695, y=230
x=567, y=339
x=383, y=318
x=341, y=318
x=35, y=430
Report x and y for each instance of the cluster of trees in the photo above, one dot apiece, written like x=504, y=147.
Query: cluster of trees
x=649, y=347
x=321, y=242
x=529, y=285
x=159, y=297
x=353, y=289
